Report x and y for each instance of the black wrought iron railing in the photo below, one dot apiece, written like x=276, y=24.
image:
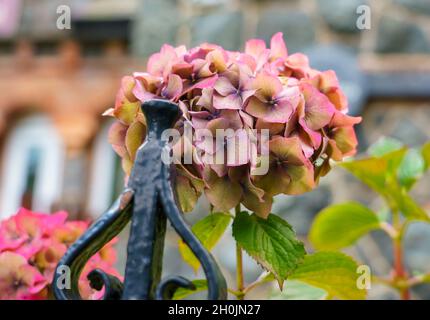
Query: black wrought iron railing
x=148, y=201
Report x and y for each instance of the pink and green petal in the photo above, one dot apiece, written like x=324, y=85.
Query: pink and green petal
x=255, y=47
x=274, y=128
x=127, y=112
x=116, y=137
x=346, y=140
x=183, y=70
x=217, y=124
x=218, y=59
x=224, y=87
x=297, y=65
x=314, y=137
x=287, y=150
x=160, y=63
x=318, y=109
x=202, y=84
x=205, y=100
x=187, y=194
x=261, y=207
x=277, y=47
x=223, y=193
x=266, y=85
x=229, y=102
x=279, y=112
x=302, y=179
x=341, y=120
x=275, y=173
x=134, y=138
x=174, y=87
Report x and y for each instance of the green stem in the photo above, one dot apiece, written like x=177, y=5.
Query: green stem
x=400, y=273
x=239, y=266
x=261, y=279
x=235, y=293
x=390, y=230
x=413, y=281
x=239, y=271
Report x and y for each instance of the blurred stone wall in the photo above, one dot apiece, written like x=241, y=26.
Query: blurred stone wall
x=397, y=26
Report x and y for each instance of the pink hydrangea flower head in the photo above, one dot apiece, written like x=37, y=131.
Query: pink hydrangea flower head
x=264, y=87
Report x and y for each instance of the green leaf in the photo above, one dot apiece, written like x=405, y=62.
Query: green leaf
x=381, y=174
x=383, y=214
x=271, y=242
x=370, y=171
x=383, y=146
x=341, y=225
x=425, y=151
x=298, y=290
x=374, y=171
x=408, y=206
x=426, y=278
x=411, y=169
x=181, y=293
x=334, y=272
x=208, y=230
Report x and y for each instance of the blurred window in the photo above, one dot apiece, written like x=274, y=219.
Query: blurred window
x=32, y=167
x=10, y=14
x=107, y=179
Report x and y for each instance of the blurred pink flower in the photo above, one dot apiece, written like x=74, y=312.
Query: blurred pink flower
x=31, y=245
x=18, y=279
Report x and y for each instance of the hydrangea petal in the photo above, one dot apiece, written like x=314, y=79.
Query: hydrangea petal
x=314, y=137
x=287, y=149
x=116, y=137
x=174, y=87
x=341, y=120
x=255, y=47
x=277, y=46
x=302, y=179
x=275, y=173
x=274, y=128
x=159, y=63
x=261, y=207
x=318, y=109
x=224, y=86
x=346, y=140
x=134, y=138
x=279, y=112
x=218, y=59
x=230, y=102
x=267, y=86
x=223, y=193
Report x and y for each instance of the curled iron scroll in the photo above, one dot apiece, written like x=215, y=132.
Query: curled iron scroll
x=99, y=234
x=148, y=201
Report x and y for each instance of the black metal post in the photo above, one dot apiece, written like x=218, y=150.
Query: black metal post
x=148, y=201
